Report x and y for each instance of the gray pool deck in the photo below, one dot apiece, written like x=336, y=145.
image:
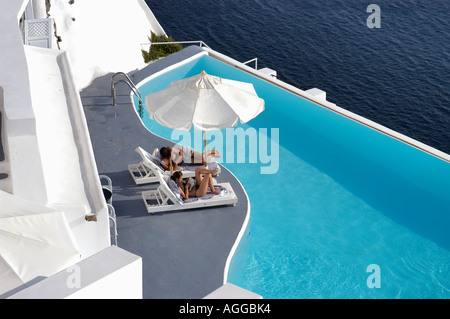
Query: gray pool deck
x=184, y=252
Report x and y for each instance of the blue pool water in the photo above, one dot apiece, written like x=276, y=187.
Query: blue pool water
x=344, y=197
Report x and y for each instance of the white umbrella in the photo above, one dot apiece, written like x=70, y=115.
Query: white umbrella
x=34, y=241
x=207, y=102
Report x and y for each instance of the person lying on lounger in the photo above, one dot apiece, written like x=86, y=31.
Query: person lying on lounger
x=186, y=156
x=167, y=160
x=203, y=179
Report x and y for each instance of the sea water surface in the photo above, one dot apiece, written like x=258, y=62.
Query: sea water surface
x=397, y=76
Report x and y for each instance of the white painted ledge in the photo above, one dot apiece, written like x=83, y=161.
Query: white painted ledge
x=112, y=273
x=230, y=291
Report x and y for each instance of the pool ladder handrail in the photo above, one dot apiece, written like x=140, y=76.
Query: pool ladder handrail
x=132, y=88
x=113, y=219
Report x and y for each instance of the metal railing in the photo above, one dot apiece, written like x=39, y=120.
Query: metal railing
x=199, y=42
x=252, y=60
x=113, y=219
x=132, y=88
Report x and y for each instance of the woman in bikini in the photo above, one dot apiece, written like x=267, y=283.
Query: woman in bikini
x=203, y=178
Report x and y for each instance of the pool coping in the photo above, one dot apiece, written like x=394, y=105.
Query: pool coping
x=331, y=106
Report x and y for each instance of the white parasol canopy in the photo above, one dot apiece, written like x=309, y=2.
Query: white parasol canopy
x=34, y=241
x=207, y=102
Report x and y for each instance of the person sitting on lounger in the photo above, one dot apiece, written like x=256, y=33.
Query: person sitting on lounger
x=203, y=178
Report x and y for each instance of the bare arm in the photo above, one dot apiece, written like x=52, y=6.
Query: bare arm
x=185, y=193
x=166, y=165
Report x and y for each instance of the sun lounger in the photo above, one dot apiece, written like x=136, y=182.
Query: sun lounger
x=144, y=171
x=186, y=165
x=163, y=199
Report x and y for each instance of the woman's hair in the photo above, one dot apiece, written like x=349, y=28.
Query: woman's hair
x=176, y=175
x=164, y=152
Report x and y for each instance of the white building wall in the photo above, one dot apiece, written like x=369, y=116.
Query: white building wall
x=113, y=273
x=103, y=36
x=98, y=37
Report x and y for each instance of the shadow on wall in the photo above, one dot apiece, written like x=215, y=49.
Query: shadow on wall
x=2, y=154
x=4, y=165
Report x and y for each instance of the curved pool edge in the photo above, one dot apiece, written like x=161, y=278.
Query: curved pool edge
x=247, y=217
x=246, y=221
x=158, y=73
x=241, y=233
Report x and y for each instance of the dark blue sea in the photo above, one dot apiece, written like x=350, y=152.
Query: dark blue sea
x=397, y=75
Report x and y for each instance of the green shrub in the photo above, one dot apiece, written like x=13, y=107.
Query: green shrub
x=160, y=50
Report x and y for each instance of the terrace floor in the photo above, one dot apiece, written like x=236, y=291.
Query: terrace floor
x=183, y=252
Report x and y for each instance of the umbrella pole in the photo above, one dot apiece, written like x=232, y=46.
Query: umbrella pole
x=204, y=148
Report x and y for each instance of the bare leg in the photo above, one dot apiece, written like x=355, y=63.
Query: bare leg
x=204, y=181
x=199, y=158
x=210, y=154
x=199, y=171
x=213, y=153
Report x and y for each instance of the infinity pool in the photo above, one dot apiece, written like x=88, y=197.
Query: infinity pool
x=343, y=197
